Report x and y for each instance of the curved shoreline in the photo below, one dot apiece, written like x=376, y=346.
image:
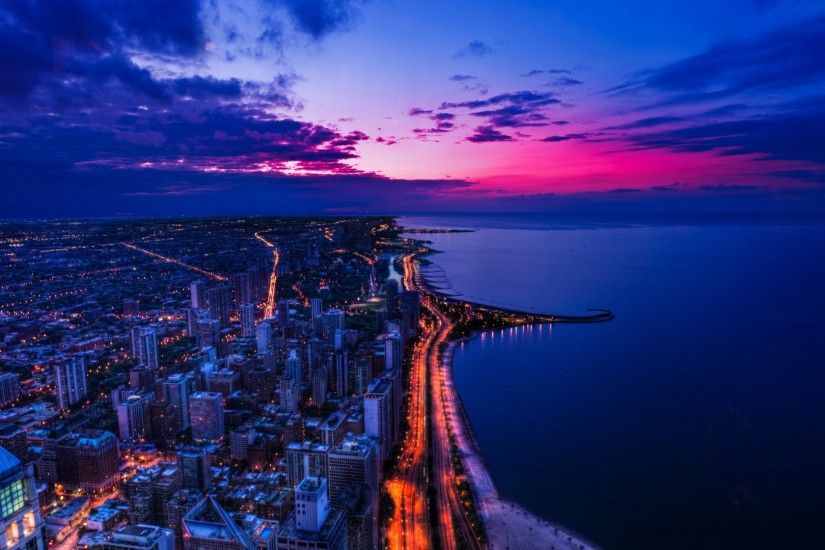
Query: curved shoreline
x=507, y=524
x=599, y=315
x=504, y=524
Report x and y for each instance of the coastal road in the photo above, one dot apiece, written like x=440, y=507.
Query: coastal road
x=409, y=526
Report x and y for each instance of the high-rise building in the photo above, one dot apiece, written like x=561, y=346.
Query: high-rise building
x=13, y=438
x=177, y=507
x=244, y=291
x=240, y=440
x=316, y=309
x=220, y=303
x=207, y=332
x=149, y=490
x=333, y=429
x=193, y=315
x=341, y=363
x=363, y=375
x=313, y=525
x=206, y=416
x=223, y=381
x=394, y=351
x=260, y=379
x=378, y=414
x=133, y=417
x=334, y=319
x=141, y=378
x=195, y=463
x=319, y=386
x=288, y=393
x=307, y=459
x=353, y=462
x=263, y=337
x=21, y=526
x=197, y=293
x=311, y=504
x=9, y=387
x=70, y=381
x=247, y=314
x=145, y=347
x=283, y=312
x=176, y=390
x=392, y=295
x=86, y=460
x=208, y=526
x=410, y=310
x=164, y=422
x=294, y=367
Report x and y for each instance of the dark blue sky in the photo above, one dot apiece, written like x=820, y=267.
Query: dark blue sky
x=280, y=106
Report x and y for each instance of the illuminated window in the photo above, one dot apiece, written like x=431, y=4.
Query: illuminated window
x=12, y=498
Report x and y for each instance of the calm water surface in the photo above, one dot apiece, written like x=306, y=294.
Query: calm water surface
x=696, y=419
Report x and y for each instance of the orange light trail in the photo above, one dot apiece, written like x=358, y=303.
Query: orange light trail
x=167, y=259
x=269, y=307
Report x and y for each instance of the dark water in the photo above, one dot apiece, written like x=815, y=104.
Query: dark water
x=696, y=419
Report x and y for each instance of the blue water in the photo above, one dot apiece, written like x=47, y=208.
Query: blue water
x=695, y=419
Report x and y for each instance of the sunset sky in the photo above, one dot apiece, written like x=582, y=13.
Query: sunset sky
x=120, y=108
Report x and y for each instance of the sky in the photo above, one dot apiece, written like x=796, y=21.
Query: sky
x=205, y=107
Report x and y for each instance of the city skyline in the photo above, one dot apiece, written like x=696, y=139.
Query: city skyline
x=336, y=106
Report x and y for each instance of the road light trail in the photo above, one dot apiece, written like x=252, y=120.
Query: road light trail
x=271, y=297
x=167, y=259
x=409, y=526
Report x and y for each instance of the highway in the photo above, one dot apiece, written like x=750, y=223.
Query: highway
x=409, y=527
x=271, y=297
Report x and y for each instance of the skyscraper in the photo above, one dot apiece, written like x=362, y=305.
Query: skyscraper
x=334, y=319
x=195, y=463
x=9, y=387
x=394, y=351
x=294, y=367
x=353, y=462
x=206, y=416
x=341, y=360
x=197, y=292
x=20, y=521
x=133, y=418
x=244, y=291
x=247, y=314
x=176, y=390
x=70, y=381
x=207, y=332
x=311, y=504
x=288, y=393
x=313, y=525
x=263, y=337
x=218, y=298
x=145, y=347
x=316, y=311
x=392, y=295
x=319, y=386
x=378, y=414
x=304, y=460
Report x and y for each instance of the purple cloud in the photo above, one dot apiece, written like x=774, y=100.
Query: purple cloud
x=487, y=134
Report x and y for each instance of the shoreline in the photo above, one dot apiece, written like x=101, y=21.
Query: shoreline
x=507, y=524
